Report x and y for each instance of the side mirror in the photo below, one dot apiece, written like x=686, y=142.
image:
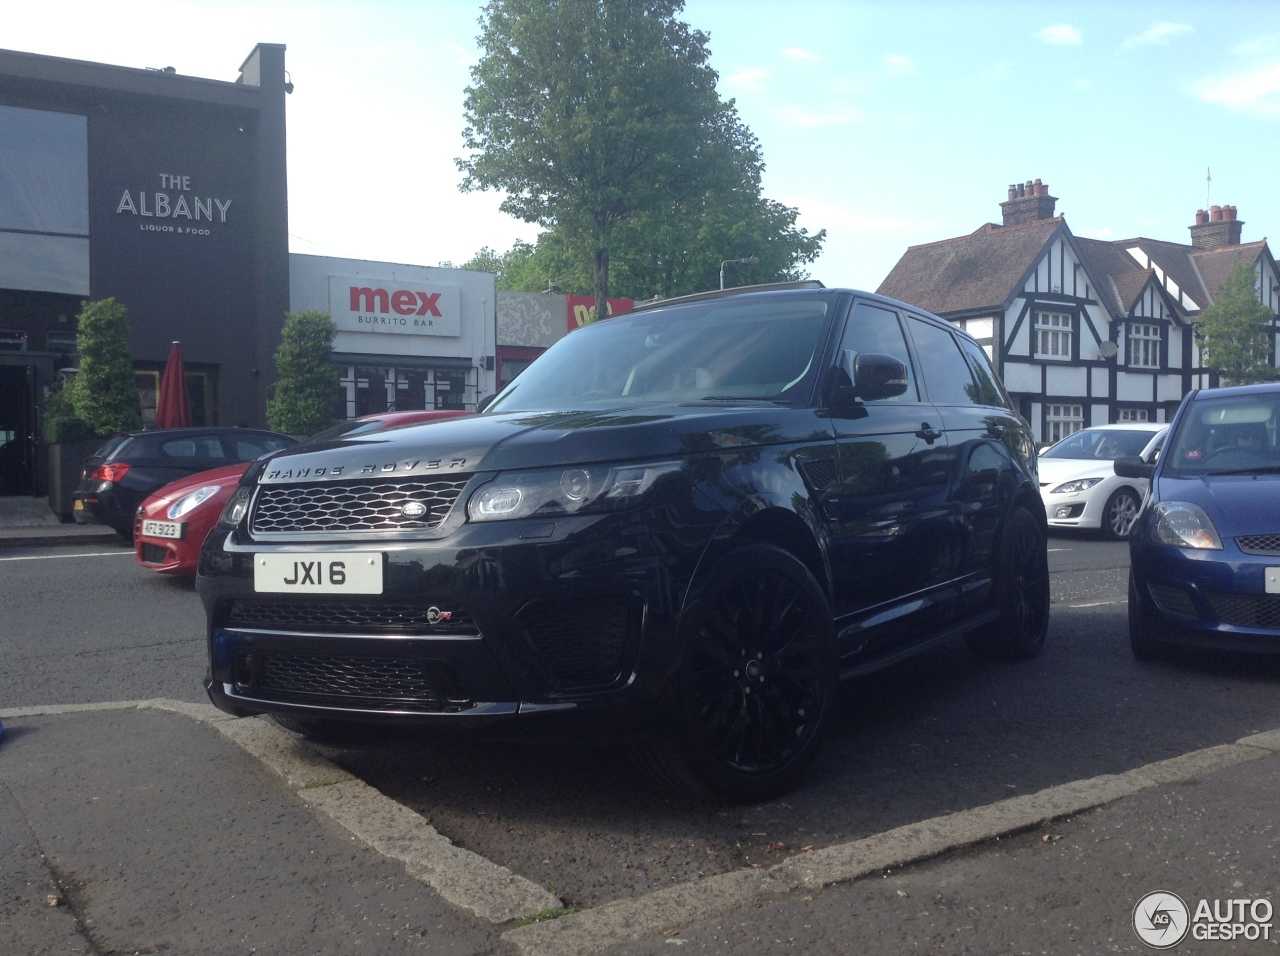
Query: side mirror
x=1133, y=468
x=874, y=376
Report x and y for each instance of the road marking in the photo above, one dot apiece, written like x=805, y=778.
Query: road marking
x=86, y=554
x=1100, y=603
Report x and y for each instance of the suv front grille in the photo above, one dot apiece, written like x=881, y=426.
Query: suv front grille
x=337, y=507
x=368, y=683
x=349, y=616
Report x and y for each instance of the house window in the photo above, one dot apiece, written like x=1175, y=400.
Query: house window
x=1144, y=346
x=1061, y=421
x=13, y=341
x=1133, y=415
x=1053, y=336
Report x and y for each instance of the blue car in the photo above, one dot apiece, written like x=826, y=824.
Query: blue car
x=1205, y=551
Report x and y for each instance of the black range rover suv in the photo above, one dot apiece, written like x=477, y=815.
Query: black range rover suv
x=678, y=529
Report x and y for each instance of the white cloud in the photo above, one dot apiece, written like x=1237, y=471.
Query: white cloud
x=752, y=78
x=898, y=63
x=796, y=53
x=1256, y=92
x=1158, y=34
x=1259, y=46
x=1060, y=34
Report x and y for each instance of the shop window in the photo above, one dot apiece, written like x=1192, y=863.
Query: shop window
x=451, y=388
x=1061, y=421
x=60, y=341
x=1053, y=336
x=12, y=340
x=1144, y=346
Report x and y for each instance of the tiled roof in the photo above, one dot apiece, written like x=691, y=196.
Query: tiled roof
x=1216, y=264
x=977, y=271
x=1120, y=276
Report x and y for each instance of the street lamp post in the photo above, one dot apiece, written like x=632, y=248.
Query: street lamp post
x=748, y=261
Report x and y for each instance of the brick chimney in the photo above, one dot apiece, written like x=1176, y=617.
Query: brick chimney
x=1215, y=228
x=1028, y=202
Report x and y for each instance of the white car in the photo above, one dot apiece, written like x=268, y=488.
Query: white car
x=1079, y=485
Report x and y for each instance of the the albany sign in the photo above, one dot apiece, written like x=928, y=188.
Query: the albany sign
x=361, y=304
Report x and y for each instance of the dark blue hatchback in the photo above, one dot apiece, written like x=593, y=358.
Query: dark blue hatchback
x=1205, y=551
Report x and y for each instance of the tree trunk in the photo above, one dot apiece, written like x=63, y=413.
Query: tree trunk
x=600, y=270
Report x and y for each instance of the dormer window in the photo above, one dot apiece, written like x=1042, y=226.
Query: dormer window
x=1144, y=345
x=1053, y=336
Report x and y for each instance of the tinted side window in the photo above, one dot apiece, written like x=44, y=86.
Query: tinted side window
x=947, y=376
x=989, y=390
x=198, y=447
x=873, y=329
x=254, y=446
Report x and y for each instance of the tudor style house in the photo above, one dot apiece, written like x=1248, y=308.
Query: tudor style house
x=1083, y=332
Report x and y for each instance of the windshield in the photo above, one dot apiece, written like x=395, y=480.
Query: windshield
x=1106, y=444
x=1229, y=435
x=723, y=349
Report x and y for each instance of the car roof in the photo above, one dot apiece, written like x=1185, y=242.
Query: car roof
x=1233, y=390
x=1127, y=427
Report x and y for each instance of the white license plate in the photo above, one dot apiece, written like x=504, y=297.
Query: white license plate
x=164, y=529
x=1273, y=580
x=318, y=573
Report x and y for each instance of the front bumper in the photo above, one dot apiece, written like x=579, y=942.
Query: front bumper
x=1077, y=510
x=1208, y=599
x=492, y=623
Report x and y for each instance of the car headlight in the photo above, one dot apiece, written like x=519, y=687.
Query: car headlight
x=1183, y=525
x=564, y=491
x=237, y=507
x=1075, y=487
x=190, y=502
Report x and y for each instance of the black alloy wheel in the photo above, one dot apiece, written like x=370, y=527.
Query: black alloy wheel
x=1021, y=594
x=758, y=683
x=1119, y=514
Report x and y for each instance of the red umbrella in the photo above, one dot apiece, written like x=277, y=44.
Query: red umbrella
x=172, y=408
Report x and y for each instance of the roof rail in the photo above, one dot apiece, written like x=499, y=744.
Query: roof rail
x=721, y=293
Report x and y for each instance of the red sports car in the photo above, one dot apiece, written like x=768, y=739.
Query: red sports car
x=172, y=523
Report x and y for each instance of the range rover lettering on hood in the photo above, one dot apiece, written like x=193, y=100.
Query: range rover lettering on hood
x=364, y=471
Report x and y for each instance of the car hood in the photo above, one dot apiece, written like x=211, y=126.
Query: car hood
x=497, y=442
x=1054, y=471
x=1237, y=504
x=227, y=475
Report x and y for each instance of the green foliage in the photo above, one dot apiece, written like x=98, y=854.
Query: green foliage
x=600, y=120
x=104, y=393
x=587, y=113
x=59, y=420
x=308, y=382
x=1234, y=331
x=503, y=265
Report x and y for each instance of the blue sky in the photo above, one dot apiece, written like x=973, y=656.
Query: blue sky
x=887, y=123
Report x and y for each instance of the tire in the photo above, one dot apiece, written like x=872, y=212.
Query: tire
x=1119, y=513
x=1021, y=594
x=757, y=685
x=1144, y=646
x=325, y=730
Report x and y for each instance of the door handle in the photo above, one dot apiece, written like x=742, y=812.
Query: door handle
x=927, y=433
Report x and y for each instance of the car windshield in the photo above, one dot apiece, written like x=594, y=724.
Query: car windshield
x=723, y=349
x=1106, y=444
x=1228, y=435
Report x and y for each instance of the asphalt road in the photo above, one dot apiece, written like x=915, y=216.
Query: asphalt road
x=942, y=733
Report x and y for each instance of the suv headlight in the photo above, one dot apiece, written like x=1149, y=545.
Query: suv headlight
x=237, y=507
x=190, y=502
x=1074, y=487
x=550, y=492
x=1183, y=525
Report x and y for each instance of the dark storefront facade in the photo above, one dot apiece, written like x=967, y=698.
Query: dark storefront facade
x=164, y=191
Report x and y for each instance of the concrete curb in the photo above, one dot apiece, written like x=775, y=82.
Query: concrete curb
x=592, y=931
x=494, y=893
x=465, y=879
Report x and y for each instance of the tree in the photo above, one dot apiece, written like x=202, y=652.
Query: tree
x=504, y=266
x=104, y=393
x=304, y=393
x=1235, y=331
x=588, y=113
